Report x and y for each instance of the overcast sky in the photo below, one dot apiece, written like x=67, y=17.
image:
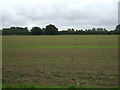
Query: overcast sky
x=78, y=14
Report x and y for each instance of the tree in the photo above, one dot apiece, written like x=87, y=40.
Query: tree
x=15, y=31
x=36, y=31
x=43, y=31
x=71, y=31
x=117, y=27
x=63, y=32
x=117, y=30
x=51, y=30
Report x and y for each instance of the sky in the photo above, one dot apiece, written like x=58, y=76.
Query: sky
x=64, y=14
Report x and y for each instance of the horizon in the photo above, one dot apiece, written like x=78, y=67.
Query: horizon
x=29, y=28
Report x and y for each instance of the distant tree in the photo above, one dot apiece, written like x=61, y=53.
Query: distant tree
x=117, y=27
x=105, y=31
x=15, y=31
x=77, y=32
x=93, y=31
x=63, y=32
x=43, y=31
x=71, y=31
x=117, y=30
x=86, y=31
x=36, y=31
x=6, y=31
x=82, y=32
x=51, y=30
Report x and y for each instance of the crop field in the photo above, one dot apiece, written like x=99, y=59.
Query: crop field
x=60, y=61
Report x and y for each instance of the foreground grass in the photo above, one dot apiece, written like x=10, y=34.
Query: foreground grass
x=39, y=46
x=45, y=86
x=27, y=86
x=72, y=60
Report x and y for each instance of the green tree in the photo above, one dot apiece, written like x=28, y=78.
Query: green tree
x=51, y=30
x=117, y=27
x=117, y=30
x=15, y=31
x=36, y=31
x=71, y=31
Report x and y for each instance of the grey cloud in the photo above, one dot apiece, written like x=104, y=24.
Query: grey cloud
x=63, y=13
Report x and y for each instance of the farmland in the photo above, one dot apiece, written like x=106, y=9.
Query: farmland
x=61, y=60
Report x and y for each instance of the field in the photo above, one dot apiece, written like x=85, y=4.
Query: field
x=60, y=61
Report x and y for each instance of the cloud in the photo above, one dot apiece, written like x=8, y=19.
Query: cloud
x=63, y=13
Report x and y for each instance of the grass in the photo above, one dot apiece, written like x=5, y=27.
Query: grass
x=70, y=60
x=45, y=86
x=38, y=46
x=28, y=86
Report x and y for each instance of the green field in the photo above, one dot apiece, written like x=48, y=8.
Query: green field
x=60, y=61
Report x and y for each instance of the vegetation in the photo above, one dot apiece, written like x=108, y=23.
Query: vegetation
x=53, y=30
x=36, y=31
x=15, y=31
x=37, y=86
x=60, y=60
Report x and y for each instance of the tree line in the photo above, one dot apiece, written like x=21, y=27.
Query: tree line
x=53, y=30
